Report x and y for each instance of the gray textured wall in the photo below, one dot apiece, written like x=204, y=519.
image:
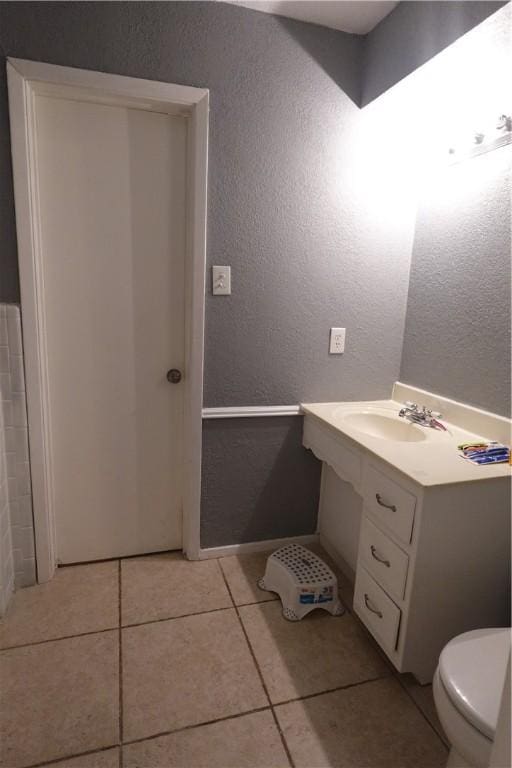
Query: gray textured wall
x=457, y=331
x=280, y=187
x=411, y=35
x=283, y=99
x=278, y=500
x=285, y=211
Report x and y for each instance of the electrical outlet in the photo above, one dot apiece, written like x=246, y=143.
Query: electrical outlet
x=337, y=341
x=221, y=281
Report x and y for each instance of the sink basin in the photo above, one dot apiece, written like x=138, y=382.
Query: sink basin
x=383, y=426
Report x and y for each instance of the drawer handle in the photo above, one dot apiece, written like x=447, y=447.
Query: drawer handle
x=379, y=559
x=383, y=503
x=373, y=610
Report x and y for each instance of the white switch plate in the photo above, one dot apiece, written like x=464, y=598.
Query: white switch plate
x=221, y=281
x=337, y=341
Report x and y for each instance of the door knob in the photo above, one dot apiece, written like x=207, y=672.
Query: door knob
x=174, y=376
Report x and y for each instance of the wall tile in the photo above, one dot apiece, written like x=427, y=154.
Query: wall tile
x=14, y=330
x=17, y=373
x=10, y=444
x=16, y=537
x=6, y=560
x=5, y=524
x=7, y=410
x=12, y=488
x=10, y=462
x=3, y=330
x=20, y=435
x=4, y=359
x=24, y=511
x=19, y=409
x=27, y=576
x=23, y=478
x=5, y=386
x=17, y=554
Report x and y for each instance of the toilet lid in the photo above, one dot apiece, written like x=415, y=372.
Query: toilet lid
x=472, y=668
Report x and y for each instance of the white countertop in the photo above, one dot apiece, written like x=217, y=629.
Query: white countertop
x=431, y=460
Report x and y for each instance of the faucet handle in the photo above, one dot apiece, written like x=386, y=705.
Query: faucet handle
x=411, y=405
x=432, y=414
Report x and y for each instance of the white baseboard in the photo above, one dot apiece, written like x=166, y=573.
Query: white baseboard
x=255, y=546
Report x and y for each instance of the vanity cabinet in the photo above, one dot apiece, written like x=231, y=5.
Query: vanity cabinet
x=433, y=561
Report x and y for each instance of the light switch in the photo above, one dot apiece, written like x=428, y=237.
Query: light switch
x=337, y=341
x=221, y=281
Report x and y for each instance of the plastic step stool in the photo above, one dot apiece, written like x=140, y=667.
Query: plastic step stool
x=303, y=582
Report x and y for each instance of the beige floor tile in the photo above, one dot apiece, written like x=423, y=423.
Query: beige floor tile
x=167, y=585
x=316, y=654
x=242, y=573
x=250, y=741
x=374, y=725
x=185, y=672
x=423, y=696
x=59, y=698
x=108, y=758
x=79, y=599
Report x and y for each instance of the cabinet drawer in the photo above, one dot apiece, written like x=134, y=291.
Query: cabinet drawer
x=390, y=503
x=376, y=610
x=386, y=562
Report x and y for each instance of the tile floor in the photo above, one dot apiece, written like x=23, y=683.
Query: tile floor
x=157, y=662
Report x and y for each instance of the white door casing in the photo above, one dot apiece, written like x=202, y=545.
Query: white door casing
x=134, y=107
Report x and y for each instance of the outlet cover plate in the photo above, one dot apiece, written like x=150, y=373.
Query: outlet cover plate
x=337, y=341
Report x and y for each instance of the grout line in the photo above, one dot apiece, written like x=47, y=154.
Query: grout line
x=394, y=673
x=58, y=639
x=113, y=628
x=224, y=579
x=259, y=602
x=160, y=734
x=420, y=709
x=181, y=616
x=248, y=712
x=374, y=644
x=208, y=722
x=58, y=760
x=141, y=623
x=120, y=670
x=271, y=706
x=128, y=626
x=337, y=688
x=260, y=674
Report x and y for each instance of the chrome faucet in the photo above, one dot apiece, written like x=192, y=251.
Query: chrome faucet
x=423, y=416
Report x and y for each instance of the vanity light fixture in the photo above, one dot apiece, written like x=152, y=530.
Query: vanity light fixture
x=484, y=142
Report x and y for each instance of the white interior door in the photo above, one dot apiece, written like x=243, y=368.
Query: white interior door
x=112, y=209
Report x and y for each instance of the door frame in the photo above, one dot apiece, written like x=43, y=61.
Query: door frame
x=25, y=80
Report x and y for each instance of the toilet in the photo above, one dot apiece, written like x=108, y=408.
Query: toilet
x=467, y=687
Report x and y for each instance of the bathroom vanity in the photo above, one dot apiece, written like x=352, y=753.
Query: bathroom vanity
x=433, y=548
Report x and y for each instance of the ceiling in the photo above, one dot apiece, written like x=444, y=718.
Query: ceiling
x=356, y=16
